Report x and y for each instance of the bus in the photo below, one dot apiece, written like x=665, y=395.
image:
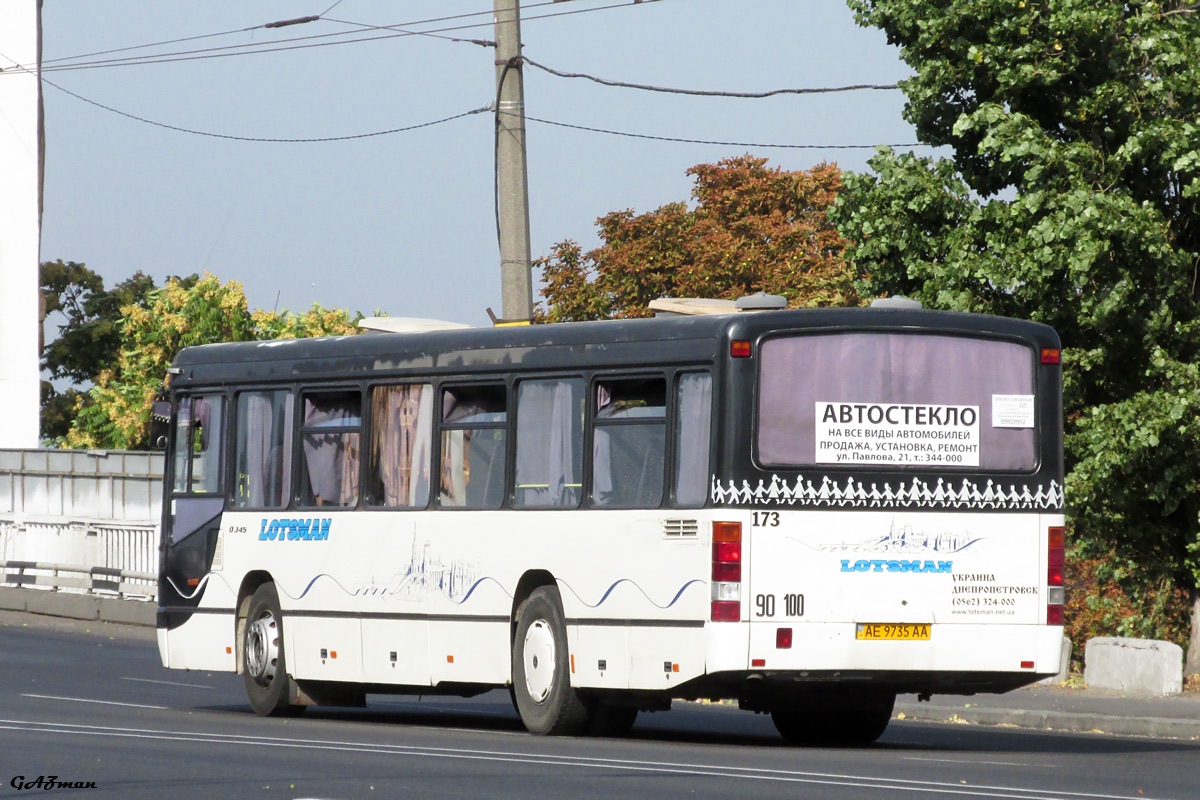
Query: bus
x=803, y=511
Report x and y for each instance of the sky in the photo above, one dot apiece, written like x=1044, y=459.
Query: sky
x=404, y=223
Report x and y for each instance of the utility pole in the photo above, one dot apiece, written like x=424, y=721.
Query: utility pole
x=512, y=180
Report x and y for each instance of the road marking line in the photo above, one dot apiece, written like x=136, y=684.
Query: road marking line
x=167, y=683
x=966, y=762
x=86, y=700
x=668, y=768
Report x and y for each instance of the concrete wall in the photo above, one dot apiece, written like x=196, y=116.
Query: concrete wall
x=101, y=485
x=20, y=223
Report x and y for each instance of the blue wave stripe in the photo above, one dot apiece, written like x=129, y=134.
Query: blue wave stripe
x=475, y=585
x=618, y=582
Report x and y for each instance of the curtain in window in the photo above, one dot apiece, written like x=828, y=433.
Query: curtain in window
x=692, y=439
x=263, y=449
x=549, y=426
x=402, y=427
x=331, y=458
x=799, y=371
x=206, y=456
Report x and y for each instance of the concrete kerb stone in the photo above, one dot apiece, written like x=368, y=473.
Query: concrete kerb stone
x=1143, y=666
x=1054, y=721
x=79, y=606
x=1064, y=669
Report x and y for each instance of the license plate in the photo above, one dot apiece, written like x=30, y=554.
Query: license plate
x=896, y=631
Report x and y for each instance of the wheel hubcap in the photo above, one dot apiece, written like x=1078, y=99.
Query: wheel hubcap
x=538, y=654
x=262, y=648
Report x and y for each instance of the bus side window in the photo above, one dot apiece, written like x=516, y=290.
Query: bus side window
x=629, y=443
x=693, y=424
x=549, y=443
x=329, y=440
x=199, y=429
x=474, y=421
x=401, y=440
x=262, y=449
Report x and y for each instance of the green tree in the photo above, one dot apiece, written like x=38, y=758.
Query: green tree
x=1070, y=195
x=752, y=229
x=185, y=312
x=88, y=340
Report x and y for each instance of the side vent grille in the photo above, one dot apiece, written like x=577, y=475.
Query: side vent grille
x=218, y=562
x=680, y=528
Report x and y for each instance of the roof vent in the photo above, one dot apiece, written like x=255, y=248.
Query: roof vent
x=760, y=301
x=897, y=302
x=690, y=306
x=407, y=324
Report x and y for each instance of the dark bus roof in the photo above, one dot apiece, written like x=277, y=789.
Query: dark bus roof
x=610, y=343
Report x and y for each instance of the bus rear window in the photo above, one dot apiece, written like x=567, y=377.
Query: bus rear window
x=896, y=399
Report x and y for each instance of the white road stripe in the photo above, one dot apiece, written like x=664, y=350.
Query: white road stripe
x=168, y=683
x=87, y=700
x=700, y=770
x=969, y=762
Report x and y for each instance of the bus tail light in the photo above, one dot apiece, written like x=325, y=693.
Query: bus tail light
x=1056, y=558
x=726, y=572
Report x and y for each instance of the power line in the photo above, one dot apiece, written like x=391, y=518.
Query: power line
x=157, y=124
x=706, y=92
x=481, y=42
x=283, y=45
x=251, y=44
x=721, y=143
x=46, y=61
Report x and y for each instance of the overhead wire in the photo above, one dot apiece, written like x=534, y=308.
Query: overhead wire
x=252, y=44
x=707, y=92
x=270, y=139
x=298, y=43
x=46, y=61
x=717, y=142
x=481, y=42
x=397, y=31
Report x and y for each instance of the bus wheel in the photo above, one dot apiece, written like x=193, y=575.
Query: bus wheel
x=864, y=723
x=610, y=720
x=541, y=669
x=262, y=650
x=797, y=726
x=852, y=726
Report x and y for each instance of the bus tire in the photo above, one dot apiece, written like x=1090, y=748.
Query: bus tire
x=611, y=720
x=265, y=669
x=541, y=675
x=854, y=726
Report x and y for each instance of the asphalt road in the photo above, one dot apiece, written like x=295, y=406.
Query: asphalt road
x=90, y=703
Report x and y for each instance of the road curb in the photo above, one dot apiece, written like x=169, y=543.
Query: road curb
x=79, y=606
x=1156, y=727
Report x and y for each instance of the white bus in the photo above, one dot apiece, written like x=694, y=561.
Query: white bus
x=807, y=511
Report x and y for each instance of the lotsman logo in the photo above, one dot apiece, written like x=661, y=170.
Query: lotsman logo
x=896, y=565
x=295, y=530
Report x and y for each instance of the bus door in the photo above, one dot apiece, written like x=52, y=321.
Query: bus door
x=192, y=520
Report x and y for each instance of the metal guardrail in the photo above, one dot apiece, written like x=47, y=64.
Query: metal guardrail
x=92, y=580
x=78, y=529
x=120, y=545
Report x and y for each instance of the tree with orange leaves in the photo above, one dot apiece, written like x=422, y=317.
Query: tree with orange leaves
x=752, y=229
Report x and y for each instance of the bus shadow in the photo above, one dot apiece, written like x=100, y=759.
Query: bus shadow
x=729, y=728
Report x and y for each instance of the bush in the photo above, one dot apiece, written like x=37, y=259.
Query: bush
x=1104, y=601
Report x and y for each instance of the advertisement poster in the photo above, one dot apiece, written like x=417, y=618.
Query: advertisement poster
x=897, y=433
